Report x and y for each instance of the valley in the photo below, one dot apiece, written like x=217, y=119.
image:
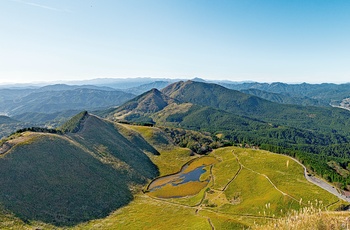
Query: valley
x=192, y=155
x=246, y=187
x=174, y=115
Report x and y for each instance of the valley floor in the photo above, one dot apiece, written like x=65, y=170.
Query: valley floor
x=248, y=189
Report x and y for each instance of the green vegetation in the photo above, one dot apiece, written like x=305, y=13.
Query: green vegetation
x=286, y=98
x=74, y=124
x=314, y=135
x=138, y=109
x=248, y=187
x=316, y=94
x=65, y=184
x=100, y=168
x=68, y=179
x=171, y=157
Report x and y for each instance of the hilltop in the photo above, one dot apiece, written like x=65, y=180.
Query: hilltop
x=314, y=135
x=139, y=108
x=188, y=125
x=71, y=178
x=105, y=163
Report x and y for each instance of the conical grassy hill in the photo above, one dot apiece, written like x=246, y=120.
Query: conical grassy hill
x=72, y=178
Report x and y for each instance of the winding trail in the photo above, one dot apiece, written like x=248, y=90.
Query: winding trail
x=268, y=179
x=198, y=208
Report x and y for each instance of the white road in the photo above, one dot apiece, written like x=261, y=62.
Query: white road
x=322, y=184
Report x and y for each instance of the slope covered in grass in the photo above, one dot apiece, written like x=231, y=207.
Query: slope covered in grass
x=67, y=179
x=236, y=198
x=103, y=138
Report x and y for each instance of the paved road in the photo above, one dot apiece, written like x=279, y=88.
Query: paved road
x=321, y=183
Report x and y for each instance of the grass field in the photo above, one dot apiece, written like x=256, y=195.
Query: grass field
x=248, y=188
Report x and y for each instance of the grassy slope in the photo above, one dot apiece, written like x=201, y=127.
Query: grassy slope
x=256, y=199
x=51, y=179
x=103, y=138
x=250, y=198
x=67, y=179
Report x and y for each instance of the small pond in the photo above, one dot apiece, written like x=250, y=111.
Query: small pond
x=193, y=177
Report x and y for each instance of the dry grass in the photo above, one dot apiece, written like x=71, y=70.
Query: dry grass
x=202, y=161
x=188, y=189
x=310, y=218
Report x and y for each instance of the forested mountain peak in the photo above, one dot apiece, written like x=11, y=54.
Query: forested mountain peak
x=149, y=102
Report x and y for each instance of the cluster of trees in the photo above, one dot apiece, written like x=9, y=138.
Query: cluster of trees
x=200, y=143
x=39, y=129
x=315, y=148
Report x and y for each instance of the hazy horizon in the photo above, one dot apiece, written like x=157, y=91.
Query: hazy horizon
x=100, y=80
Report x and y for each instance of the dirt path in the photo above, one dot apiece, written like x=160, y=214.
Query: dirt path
x=268, y=179
x=211, y=224
x=234, y=177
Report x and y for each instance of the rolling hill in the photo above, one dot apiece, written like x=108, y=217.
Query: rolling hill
x=92, y=173
x=242, y=194
x=325, y=93
x=56, y=101
x=302, y=117
x=71, y=178
x=139, y=108
x=285, y=98
x=315, y=135
x=91, y=178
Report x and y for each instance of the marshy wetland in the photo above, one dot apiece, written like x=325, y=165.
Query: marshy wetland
x=190, y=180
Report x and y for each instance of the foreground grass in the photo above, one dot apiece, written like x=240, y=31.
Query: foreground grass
x=309, y=219
x=147, y=213
x=249, y=189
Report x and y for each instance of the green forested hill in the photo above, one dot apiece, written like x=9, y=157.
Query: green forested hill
x=325, y=92
x=315, y=135
x=67, y=179
x=285, y=98
x=302, y=117
x=139, y=108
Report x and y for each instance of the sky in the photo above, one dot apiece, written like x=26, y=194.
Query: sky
x=258, y=40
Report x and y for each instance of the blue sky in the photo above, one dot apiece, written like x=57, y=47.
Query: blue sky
x=259, y=40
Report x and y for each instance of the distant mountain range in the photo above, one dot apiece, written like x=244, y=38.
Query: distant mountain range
x=325, y=93
x=297, y=130
x=83, y=168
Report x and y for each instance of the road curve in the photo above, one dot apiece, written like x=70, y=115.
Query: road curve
x=321, y=183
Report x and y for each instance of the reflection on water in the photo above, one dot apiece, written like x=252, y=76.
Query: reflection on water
x=178, y=178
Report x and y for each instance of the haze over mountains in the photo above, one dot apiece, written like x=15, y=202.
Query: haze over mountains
x=96, y=165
